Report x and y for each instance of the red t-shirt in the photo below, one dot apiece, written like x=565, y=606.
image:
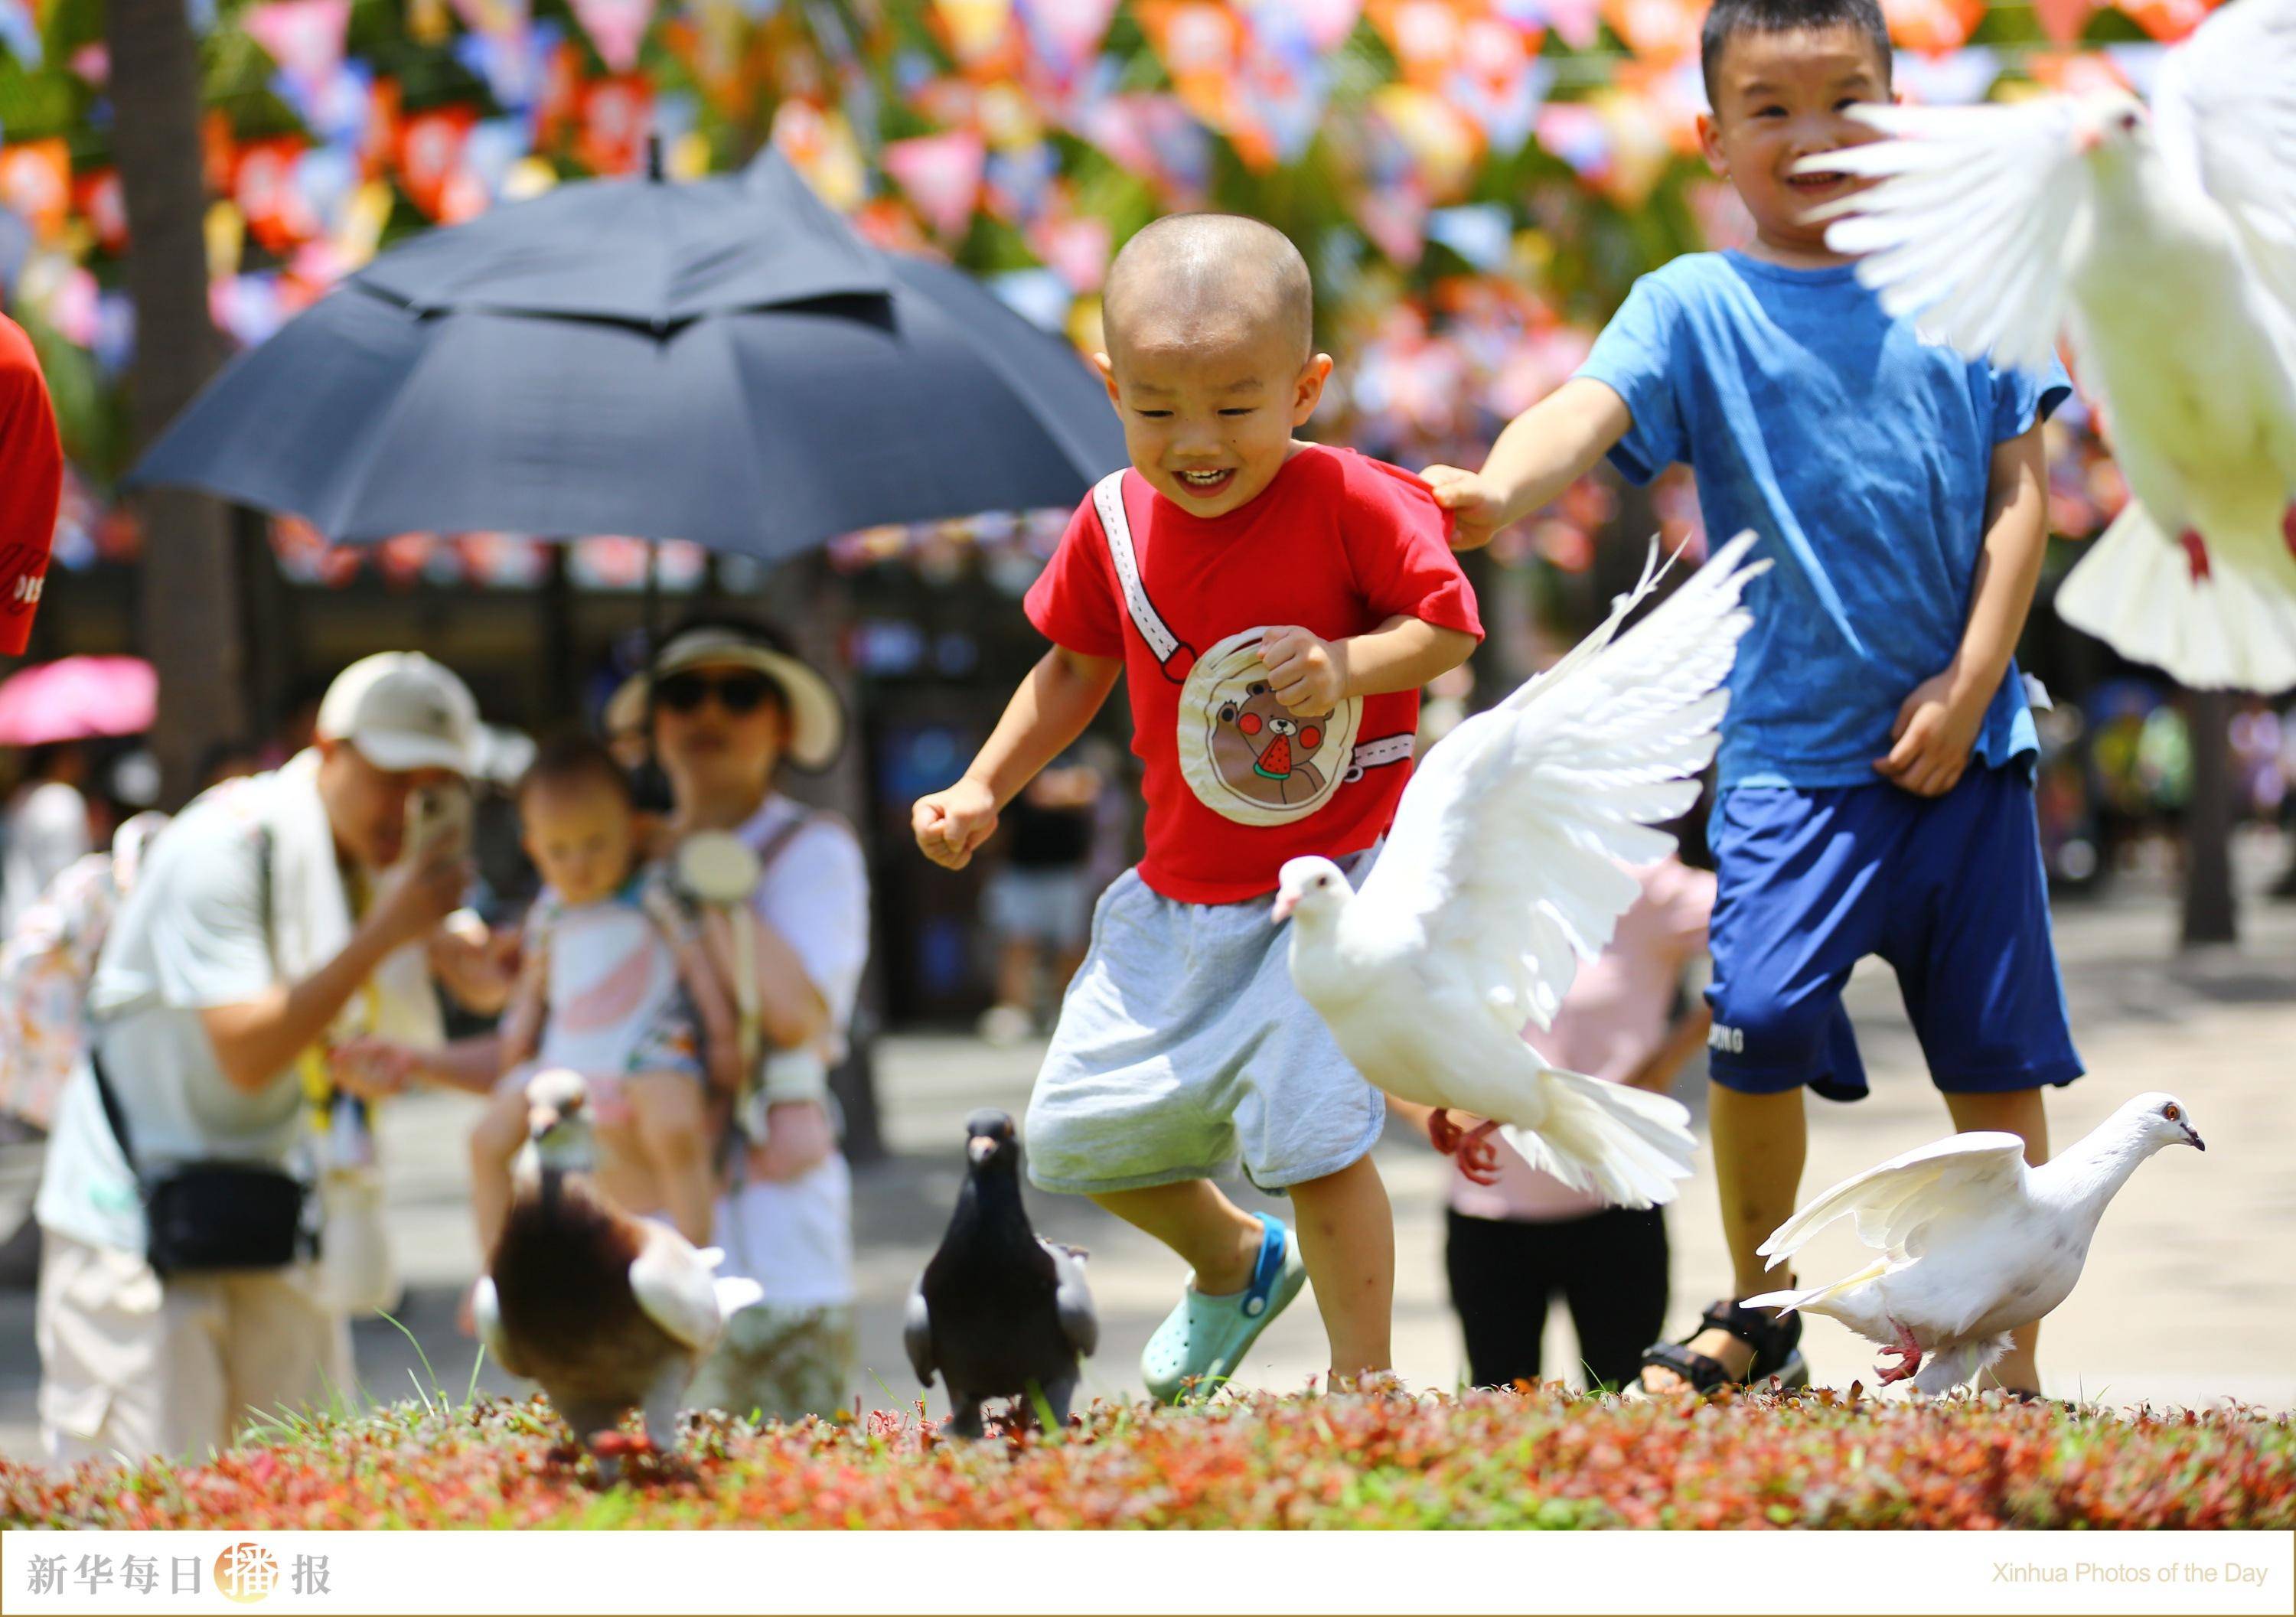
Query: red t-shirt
x=32, y=486
x=1235, y=783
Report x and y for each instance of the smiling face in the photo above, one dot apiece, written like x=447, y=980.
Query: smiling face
x=1208, y=404
x=1780, y=97
x=1210, y=323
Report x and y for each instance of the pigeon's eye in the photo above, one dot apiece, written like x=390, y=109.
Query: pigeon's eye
x=2170, y=1111
x=2129, y=120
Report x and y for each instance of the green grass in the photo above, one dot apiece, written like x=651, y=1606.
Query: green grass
x=1540, y=1458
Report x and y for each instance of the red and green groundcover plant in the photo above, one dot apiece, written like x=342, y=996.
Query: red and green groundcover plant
x=1530, y=1458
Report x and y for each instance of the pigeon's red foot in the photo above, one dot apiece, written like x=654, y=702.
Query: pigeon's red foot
x=614, y=1445
x=1907, y=1353
x=2196, y=553
x=1478, y=1158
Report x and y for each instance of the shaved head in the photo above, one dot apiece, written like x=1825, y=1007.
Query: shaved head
x=1200, y=279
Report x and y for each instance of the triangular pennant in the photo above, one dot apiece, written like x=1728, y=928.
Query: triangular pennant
x=1076, y=247
x=503, y=19
x=941, y=174
x=1663, y=30
x=1424, y=35
x=1954, y=80
x=304, y=37
x=1932, y=26
x=1066, y=34
x=617, y=28
x=2063, y=21
x=2168, y=21
x=976, y=28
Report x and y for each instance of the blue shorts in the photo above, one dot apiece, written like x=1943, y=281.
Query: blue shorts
x=1949, y=890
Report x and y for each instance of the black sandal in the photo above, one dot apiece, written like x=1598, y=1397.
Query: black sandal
x=1776, y=1342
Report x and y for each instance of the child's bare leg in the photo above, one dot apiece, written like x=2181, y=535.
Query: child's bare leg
x=495, y=1144
x=1347, y=1239
x=2017, y=1111
x=673, y=1135
x=1212, y=1234
x=1760, y=1144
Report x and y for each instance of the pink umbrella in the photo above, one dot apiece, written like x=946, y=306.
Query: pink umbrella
x=75, y=698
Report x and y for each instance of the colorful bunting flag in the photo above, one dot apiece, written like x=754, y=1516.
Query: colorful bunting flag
x=1666, y=30
x=2063, y=21
x=430, y=152
x=2166, y=20
x=36, y=184
x=1952, y=80
x=304, y=37
x=1932, y=26
x=941, y=174
x=617, y=28
x=1076, y=247
x=19, y=31
x=616, y=116
x=1065, y=34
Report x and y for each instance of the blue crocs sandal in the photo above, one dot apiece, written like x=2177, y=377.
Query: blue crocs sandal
x=1202, y=1340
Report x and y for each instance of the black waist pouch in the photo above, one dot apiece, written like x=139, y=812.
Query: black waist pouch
x=224, y=1215
x=213, y=1215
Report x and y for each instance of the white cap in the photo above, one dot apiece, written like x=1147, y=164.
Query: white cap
x=402, y=712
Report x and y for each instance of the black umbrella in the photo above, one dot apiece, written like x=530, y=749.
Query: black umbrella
x=724, y=362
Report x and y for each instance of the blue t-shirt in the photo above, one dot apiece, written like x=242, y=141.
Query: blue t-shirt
x=1861, y=455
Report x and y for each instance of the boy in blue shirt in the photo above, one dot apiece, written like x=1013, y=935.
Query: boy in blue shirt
x=1876, y=760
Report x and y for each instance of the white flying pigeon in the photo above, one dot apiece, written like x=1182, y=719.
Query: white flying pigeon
x=1974, y=1243
x=607, y=1312
x=1505, y=869
x=2164, y=245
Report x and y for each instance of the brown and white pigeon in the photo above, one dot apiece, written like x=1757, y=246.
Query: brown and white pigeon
x=999, y=1312
x=607, y=1312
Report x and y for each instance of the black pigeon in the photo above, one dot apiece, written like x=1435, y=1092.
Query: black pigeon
x=999, y=1312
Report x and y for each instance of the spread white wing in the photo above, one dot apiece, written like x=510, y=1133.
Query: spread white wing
x=1893, y=1201
x=1968, y=226
x=1506, y=854
x=676, y=1287
x=2224, y=111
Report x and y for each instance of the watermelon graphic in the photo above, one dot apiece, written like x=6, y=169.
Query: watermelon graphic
x=1276, y=763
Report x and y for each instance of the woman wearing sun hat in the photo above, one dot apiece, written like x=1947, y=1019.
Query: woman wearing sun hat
x=729, y=704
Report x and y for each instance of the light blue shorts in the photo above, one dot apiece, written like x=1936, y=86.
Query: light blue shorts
x=1183, y=1050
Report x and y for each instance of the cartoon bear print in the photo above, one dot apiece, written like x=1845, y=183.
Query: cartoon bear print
x=1265, y=752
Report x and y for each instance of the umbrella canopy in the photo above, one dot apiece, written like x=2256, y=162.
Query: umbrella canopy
x=724, y=362
x=78, y=699
x=638, y=251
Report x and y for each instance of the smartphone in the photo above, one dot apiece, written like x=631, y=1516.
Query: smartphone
x=439, y=817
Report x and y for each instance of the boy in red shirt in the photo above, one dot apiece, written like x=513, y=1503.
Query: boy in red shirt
x=31, y=487
x=1274, y=607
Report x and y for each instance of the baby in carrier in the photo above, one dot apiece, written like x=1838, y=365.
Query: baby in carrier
x=619, y=985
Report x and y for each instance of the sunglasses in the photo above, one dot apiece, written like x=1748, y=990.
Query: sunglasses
x=740, y=693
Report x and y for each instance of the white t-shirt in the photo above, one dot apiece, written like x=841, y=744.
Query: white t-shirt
x=796, y=1239
x=190, y=937
x=46, y=831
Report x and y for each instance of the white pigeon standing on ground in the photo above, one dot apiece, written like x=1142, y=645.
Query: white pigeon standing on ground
x=1505, y=867
x=2164, y=245
x=1974, y=1244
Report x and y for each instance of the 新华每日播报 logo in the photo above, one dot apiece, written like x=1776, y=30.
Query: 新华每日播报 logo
x=246, y=1573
